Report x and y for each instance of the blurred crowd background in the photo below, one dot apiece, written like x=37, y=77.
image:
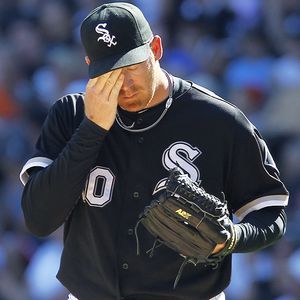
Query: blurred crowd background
x=247, y=51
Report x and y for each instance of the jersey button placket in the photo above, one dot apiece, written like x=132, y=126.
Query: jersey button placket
x=139, y=121
x=136, y=195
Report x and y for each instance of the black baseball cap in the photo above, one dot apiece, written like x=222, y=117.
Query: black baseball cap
x=115, y=35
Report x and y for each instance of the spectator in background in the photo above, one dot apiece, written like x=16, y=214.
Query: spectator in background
x=248, y=74
x=40, y=275
x=286, y=69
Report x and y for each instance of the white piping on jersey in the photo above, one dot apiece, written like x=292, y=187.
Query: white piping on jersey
x=221, y=296
x=74, y=102
x=262, y=202
x=206, y=91
x=33, y=162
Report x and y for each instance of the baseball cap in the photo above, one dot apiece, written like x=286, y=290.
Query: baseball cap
x=115, y=35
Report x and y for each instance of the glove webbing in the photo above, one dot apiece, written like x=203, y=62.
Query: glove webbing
x=186, y=260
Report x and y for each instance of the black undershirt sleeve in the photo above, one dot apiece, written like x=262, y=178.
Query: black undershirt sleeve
x=260, y=229
x=52, y=192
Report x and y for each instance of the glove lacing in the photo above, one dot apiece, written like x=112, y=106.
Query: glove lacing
x=157, y=243
x=190, y=190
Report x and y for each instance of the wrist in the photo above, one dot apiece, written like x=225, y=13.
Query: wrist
x=94, y=126
x=228, y=247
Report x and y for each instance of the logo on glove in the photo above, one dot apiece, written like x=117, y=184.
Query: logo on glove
x=183, y=213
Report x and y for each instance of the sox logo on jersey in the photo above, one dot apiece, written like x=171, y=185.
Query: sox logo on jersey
x=180, y=154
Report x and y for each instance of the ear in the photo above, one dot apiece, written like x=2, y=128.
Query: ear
x=156, y=46
x=87, y=60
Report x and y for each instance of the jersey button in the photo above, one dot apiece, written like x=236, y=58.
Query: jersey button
x=139, y=121
x=130, y=231
x=140, y=140
x=136, y=195
x=125, y=266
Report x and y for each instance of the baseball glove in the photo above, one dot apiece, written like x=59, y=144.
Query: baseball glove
x=190, y=221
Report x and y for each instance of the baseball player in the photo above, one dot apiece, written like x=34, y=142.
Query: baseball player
x=103, y=155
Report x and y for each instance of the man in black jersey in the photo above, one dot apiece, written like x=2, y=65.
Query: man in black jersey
x=104, y=154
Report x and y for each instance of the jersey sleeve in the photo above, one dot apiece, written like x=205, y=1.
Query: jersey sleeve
x=254, y=181
x=66, y=152
x=56, y=132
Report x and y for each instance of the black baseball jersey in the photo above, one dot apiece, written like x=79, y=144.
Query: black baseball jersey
x=106, y=178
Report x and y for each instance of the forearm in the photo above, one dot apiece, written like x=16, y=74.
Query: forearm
x=260, y=229
x=51, y=193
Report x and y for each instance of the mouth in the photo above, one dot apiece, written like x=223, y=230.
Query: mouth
x=129, y=96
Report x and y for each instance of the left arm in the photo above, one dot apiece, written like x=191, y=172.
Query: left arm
x=260, y=229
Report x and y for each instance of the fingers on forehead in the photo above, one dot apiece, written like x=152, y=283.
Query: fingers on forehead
x=109, y=74
x=92, y=82
x=104, y=77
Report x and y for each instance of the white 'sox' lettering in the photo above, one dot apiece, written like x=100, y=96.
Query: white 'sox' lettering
x=105, y=35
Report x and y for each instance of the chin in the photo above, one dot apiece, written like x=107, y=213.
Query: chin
x=131, y=104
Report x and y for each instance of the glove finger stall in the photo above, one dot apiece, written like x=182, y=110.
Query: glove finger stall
x=188, y=241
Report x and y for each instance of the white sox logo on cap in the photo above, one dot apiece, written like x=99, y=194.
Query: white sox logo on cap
x=105, y=35
x=115, y=35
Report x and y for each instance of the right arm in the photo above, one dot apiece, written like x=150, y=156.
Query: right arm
x=51, y=192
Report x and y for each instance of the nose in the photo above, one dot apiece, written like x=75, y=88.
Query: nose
x=128, y=82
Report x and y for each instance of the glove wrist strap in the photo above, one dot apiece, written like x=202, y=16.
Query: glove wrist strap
x=230, y=244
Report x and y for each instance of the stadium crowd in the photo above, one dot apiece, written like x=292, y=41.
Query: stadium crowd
x=247, y=51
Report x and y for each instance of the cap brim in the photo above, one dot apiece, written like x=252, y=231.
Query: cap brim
x=134, y=56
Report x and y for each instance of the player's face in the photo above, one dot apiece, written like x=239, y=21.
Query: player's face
x=140, y=81
x=139, y=86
